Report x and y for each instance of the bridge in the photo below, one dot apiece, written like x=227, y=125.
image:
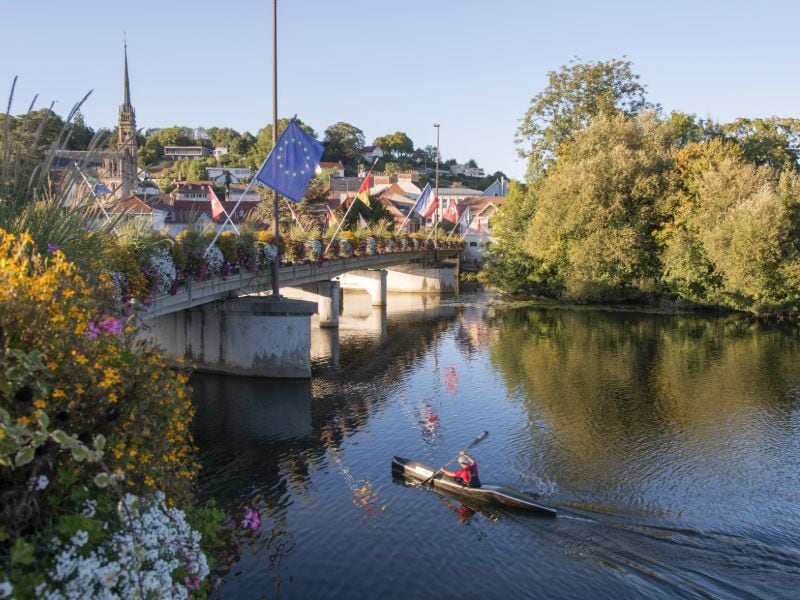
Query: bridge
x=229, y=325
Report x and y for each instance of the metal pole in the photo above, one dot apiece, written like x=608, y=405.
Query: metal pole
x=436, y=212
x=276, y=288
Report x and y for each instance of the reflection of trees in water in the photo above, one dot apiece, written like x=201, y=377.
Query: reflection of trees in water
x=599, y=379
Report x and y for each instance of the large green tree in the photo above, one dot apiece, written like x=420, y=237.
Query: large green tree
x=397, y=144
x=344, y=142
x=597, y=210
x=574, y=95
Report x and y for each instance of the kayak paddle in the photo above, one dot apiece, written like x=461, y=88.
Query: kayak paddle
x=482, y=436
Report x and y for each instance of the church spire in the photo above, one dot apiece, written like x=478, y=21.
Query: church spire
x=126, y=91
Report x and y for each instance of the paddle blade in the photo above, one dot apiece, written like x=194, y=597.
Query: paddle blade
x=478, y=439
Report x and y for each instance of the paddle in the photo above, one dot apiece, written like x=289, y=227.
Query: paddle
x=472, y=444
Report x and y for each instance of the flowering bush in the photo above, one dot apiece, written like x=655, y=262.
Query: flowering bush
x=152, y=543
x=68, y=357
x=163, y=268
x=270, y=253
x=345, y=248
x=371, y=245
x=214, y=260
x=314, y=249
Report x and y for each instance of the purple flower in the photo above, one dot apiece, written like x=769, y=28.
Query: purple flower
x=52, y=249
x=111, y=325
x=251, y=519
x=192, y=583
x=92, y=331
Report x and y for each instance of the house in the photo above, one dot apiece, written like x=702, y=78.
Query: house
x=219, y=151
x=456, y=194
x=240, y=190
x=147, y=189
x=226, y=175
x=477, y=233
x=370, y=153
x=335, y=169
x=135, y=207
x=186, y=152
x=499, y=187
x=195, y=202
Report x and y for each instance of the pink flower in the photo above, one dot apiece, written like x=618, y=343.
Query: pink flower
x=111, y=325
x=251, y=519
x=192, y=583
x=92, y=331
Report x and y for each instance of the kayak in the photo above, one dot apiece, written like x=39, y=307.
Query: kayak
x=495, y=494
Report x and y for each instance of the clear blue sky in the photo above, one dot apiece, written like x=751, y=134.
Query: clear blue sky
x=471, y=66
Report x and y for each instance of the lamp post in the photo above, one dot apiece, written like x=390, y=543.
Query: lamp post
x=276, y=289
x=436, y=198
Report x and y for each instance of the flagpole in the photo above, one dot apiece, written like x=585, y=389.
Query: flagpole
x=410, y=212
x=294, y=216
x=456, y=225
x=276, y=288
x=100, y=204
x=347, y=212
x=228, y=217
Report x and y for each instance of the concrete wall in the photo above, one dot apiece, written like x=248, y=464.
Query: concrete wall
x=260, y=337
x=410, y=278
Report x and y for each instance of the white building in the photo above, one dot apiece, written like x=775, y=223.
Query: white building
x=220, y=175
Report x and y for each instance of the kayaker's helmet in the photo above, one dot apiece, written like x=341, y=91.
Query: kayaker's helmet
x=463, y=460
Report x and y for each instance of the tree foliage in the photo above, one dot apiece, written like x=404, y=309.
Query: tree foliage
x=397, y=144
x=574, y=95
x=344, y=142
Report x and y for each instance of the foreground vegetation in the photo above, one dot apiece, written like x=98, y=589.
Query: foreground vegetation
x=624, y=203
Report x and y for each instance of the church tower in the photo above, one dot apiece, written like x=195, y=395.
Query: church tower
x=127, y=138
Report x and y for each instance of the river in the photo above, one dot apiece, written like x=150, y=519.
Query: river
x=669, y=444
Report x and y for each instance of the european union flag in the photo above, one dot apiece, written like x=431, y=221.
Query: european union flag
x=292, y=162
x=100, y=190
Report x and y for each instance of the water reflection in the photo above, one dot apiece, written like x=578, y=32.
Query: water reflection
x=670, y=444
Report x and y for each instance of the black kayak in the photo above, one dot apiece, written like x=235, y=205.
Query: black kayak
x=495, y=494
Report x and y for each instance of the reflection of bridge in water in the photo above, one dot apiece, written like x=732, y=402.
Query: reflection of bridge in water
x=229, y=326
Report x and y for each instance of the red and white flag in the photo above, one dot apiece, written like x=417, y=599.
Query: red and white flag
x=217, y=210
x=451, y=213
x=331, y=216
x=432, y=206
x=291, y=210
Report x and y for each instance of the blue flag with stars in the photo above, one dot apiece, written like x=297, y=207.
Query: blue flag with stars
x=292, y=162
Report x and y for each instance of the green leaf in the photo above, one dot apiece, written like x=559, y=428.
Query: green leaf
x=80, y=453
x=3, y=535
x=99, y=441
x=44, y=420
x=22, y=552
x=102, y=480
x=59, y=436
x=24, y=456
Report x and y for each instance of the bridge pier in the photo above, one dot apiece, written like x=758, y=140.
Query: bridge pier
x=421, y=280
x=327, y=296
x=372, y=281
x=251, y=336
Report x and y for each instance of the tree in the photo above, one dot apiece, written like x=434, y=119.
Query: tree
x=597, y=210
x=343, y=142
x=471, y=163
x=397, y=144
x=574, y=95
x=774, y=142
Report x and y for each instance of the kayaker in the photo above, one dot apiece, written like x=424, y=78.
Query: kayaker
x=468, y=473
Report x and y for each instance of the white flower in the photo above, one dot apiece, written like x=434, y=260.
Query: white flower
x=215, y=260
x=89, y=508
x=270, y=252
x=38, y=484
x=6, y=589
x=164, y=268
x=80, y=538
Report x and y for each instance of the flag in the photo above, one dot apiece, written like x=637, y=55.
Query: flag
x=363, y=191
x=465, y=220
x=217, y=209
x=424, y=200
x=291, y=163
x=431, y=208
x=98, y=188
x=331, y=216
x=362, y=222
x=451, y=214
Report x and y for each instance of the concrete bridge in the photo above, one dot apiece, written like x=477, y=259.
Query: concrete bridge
x=231, y=326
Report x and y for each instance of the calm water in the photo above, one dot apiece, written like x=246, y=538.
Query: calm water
x=669, y=444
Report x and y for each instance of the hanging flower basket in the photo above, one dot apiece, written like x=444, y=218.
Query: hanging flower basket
x=345, y=248
x=314, y=249
x=333, y=248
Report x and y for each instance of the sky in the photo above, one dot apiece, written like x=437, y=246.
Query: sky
x=471, y=66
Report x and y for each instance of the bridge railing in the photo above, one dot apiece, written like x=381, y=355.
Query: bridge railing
x=242, y=282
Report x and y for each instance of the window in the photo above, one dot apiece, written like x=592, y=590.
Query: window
x=473, y=244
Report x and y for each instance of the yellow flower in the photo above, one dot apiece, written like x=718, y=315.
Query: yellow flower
x=112, y=398
x=58, y=393
x=40, y=404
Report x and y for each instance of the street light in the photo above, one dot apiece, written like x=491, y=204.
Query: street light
x=436, y=198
